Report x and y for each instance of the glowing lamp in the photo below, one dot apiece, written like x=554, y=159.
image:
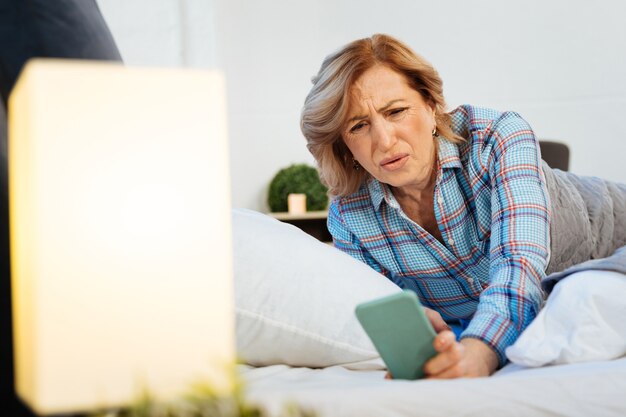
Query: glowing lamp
x=120, y=234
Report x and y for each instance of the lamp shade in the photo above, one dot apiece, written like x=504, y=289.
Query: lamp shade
x=120, y=233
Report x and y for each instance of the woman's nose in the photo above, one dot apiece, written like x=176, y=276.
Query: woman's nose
x=382, y=134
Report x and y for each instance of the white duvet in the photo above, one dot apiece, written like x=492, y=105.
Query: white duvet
x=591, y=389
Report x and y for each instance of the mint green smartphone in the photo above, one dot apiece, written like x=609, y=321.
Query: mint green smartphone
x=400, y=331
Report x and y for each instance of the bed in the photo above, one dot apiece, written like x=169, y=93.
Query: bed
x=583, y=389
x=301, y=344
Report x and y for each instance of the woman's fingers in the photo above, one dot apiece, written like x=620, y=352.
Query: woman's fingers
x=435, y=319
x=444, y=340
x=457, y=370
x=450, y=353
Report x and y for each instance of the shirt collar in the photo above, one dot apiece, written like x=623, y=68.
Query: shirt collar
x=448, y=156
x=379, y=192
x=448, y=153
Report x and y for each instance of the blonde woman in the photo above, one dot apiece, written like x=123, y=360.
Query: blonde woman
x=454, y=206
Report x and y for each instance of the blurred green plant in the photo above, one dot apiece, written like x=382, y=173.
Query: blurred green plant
x=301, y=179
x=201, y=401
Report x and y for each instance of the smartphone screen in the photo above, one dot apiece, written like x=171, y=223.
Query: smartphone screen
x=400, y=331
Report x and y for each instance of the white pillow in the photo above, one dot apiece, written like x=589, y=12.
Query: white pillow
x=584, y=319
x=295, y=297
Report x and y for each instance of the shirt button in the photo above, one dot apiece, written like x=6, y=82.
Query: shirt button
x=440, y=200
x=470, y=280
x=451, y=241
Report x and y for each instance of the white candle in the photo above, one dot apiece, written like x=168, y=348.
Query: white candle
x=296, y=203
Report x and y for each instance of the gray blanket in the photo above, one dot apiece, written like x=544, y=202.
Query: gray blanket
x=615, y=262
x=588, y=223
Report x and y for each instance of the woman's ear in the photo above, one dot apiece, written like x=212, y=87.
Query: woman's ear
x=433, y=107
x=433, y=113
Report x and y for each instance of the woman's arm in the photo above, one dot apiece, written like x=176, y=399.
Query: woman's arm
x=520, y=235
x=510, y=166
x=346, y=241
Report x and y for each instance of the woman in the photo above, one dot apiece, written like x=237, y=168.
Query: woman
x=454, y=206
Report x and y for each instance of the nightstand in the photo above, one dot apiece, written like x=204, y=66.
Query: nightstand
x=312, y=222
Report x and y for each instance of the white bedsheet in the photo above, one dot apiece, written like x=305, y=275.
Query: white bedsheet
x=585, y=389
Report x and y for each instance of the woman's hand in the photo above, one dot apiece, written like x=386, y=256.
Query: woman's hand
x=467, y=358
x=435, y=319
x=464, y=359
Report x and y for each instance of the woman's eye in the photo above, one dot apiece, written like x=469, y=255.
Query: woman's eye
x=398, y=111
x=357, y=127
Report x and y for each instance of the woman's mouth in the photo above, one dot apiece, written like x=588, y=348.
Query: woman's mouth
x=394, y=162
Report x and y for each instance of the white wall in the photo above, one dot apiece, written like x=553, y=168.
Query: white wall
x=559, y=63
x=170, y=33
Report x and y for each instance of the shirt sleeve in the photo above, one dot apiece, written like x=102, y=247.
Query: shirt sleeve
x=520, y=235
x=346, y=241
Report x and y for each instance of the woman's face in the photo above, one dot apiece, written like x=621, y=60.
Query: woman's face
x=389, y=129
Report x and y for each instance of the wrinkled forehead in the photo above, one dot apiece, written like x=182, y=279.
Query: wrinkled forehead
x=377, y=80
x=376, y=87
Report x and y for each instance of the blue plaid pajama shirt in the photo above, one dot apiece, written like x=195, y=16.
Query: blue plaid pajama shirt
x=492, y=209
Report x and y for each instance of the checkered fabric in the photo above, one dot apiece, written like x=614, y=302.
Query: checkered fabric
x=492, y=210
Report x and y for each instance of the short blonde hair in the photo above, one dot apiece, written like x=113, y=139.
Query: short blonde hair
x=326, y=105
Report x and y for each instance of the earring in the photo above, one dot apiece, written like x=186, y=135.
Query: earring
x=355, y=164
x=435, y=132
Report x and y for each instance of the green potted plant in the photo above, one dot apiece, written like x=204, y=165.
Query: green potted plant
x=297, y=179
